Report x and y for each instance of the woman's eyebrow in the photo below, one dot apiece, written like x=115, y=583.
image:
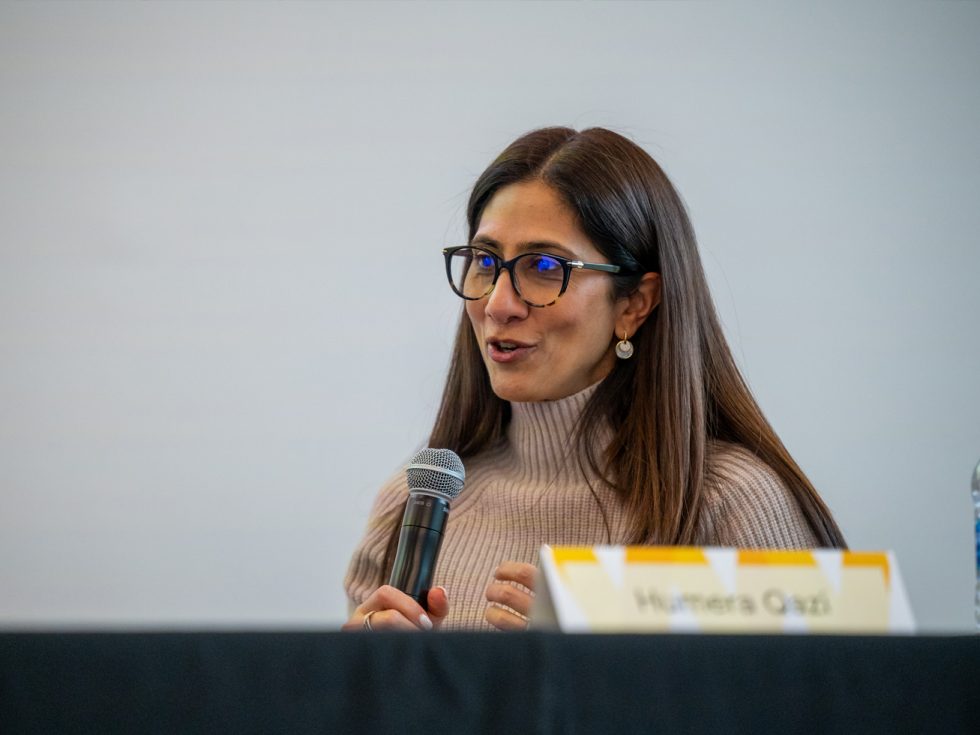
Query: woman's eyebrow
x=525, y=247
x=486, y=242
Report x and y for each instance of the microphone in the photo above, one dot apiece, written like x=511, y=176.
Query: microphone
x=435, y=478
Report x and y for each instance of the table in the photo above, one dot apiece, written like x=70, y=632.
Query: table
x=326, y=682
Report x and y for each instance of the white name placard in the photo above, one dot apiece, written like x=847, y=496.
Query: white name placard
x=706, y=589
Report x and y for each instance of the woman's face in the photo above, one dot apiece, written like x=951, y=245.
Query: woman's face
x=557, y=350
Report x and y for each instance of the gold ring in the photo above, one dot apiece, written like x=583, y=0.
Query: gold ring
x=367, y=620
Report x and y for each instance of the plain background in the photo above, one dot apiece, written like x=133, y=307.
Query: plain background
x=223, y=314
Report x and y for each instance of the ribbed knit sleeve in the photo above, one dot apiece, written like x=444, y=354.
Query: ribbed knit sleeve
x=366, y=572
x=747, y=505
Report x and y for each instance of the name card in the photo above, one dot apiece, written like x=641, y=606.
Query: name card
x=606, y=589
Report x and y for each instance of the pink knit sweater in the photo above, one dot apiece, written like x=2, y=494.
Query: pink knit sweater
x=530, y=492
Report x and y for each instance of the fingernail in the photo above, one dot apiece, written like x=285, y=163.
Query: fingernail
x=425, y=622
x=444, y=591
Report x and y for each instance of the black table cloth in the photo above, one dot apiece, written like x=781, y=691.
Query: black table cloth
x=214, y=682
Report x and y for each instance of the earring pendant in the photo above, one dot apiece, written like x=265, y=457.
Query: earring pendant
x=624, y=349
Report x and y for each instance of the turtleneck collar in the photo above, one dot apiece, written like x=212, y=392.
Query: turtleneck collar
x=541, y=434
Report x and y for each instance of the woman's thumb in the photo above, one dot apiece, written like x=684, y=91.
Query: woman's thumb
x=438, y=600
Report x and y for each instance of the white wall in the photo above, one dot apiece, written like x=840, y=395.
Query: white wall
x=223, y=316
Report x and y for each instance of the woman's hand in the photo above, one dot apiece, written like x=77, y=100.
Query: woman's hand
x=391, y=609
x=517, y=601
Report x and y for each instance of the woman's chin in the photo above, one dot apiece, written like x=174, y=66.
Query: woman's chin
x=516, y=391
x=531, y=391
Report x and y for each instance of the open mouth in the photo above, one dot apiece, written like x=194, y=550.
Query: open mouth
x=504, y=350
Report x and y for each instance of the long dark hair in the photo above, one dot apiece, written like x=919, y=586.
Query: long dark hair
x=680, y=389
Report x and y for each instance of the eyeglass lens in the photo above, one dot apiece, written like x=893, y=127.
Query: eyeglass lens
x=536, y=277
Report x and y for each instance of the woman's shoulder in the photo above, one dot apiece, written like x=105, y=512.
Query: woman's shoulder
x=392, y=493
x=748, y=505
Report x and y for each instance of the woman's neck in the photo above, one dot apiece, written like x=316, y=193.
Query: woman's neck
x=541, y=434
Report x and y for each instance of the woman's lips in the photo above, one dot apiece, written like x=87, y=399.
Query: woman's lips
x=496, y=353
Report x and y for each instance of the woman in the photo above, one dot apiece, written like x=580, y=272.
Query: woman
x=591, y=393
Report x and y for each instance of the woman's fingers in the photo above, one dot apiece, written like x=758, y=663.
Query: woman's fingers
x=507, y=594
x=391, y=609
x=389, y=620
x=510, y=595
x=503, y=619
x=388, y=598
x=438, y=604
x=516, y=571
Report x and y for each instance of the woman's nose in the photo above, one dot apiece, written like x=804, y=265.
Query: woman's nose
x=503, y=303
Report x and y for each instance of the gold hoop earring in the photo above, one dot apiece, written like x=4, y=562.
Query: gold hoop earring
x=624, y=348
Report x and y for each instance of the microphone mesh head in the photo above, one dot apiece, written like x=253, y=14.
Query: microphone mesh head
x=439, y=470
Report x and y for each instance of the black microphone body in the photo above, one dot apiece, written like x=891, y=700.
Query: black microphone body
x=435, y=478
x=418, y=545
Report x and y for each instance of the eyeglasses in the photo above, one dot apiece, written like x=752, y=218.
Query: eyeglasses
x=538, y=278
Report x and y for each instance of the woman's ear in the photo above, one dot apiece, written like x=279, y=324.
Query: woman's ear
x=638, y=305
